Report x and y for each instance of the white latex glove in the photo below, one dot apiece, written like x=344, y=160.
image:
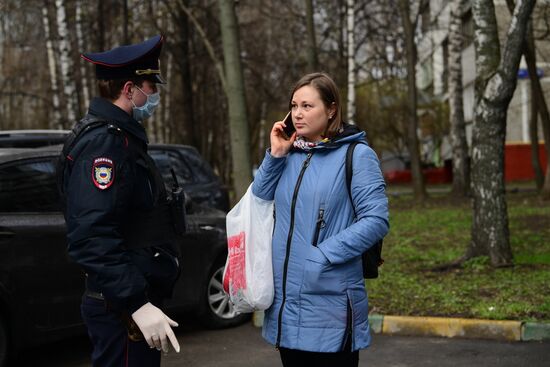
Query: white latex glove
x=156, y=327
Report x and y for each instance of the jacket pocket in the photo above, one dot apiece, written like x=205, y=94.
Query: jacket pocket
x=320, y=277
x=320, y=224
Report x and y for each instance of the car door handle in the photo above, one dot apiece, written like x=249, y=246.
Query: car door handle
x=206, y=227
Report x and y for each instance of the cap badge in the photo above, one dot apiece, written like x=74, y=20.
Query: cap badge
x=147, y=71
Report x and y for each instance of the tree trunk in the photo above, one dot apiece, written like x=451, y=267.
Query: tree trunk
x=536, y=91
x=262, y=131
x=207, y=44
x=494, y=86
x=100, y=25
x=167, y=121
x=542, y=106
x=56, y=121
x=342, y=60
x=537, y=97
x=67, y=66
x=412, y=126
x=534, y=138
x=189, y=133
x=81, y=46
x=125, y=19
x=461, y=169
x=312, y=60
x=238, y=123
x=351, y=61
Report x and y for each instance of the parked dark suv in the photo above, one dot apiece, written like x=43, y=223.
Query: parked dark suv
x=31, y=138
x=194, y=173
x=40, y=288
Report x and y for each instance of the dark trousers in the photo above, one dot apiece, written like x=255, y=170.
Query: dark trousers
x=109, y=337
x=300, y=358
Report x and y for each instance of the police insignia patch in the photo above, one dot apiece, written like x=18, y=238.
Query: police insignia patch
x=103, y=173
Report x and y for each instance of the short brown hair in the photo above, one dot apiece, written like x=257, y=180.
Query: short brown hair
x=329, y=93
x=112, y=88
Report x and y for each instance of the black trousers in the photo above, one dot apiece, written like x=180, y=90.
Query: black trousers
x=109, y=337
x=300, y=358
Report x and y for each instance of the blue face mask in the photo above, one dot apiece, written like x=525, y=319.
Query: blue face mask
x=145, y=111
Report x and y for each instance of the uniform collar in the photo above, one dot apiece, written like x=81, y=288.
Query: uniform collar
x=103, y=108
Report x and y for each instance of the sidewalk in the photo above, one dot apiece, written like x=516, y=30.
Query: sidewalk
x=243, y=346
x=502, y=330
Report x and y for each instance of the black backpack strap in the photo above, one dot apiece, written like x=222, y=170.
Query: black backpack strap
x=372, y=258
x=349, y=171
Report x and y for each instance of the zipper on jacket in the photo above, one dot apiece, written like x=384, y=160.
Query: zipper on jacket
x=348, y=334
x=274, y=220
x=288, y=242
x=320, y=224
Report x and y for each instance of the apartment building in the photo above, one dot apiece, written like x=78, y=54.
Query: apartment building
x=432, y=71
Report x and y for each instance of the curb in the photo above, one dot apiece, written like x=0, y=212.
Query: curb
x=503, y=330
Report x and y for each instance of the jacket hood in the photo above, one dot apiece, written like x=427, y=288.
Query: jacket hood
x=349, y=133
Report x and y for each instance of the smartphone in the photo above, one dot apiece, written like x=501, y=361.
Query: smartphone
x=289, y=129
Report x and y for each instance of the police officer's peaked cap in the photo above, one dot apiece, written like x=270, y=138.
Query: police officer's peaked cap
x=139, y=60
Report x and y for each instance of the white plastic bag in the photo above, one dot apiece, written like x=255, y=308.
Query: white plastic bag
x=248, y=275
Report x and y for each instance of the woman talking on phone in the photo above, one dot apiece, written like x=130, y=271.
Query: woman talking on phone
x=319, y=315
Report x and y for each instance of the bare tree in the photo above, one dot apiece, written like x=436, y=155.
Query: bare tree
x=67, y=65
x=238, y=123
x=188, y=131
x=81, y=44
x=538, y=106
x=312, y=60
x=351, y=61
x=534, y=140
x=409, y=27
x=541, y=106
x=56, y=122
x=125, y=19
x=461, y=169
x=494, y=86
x=100, y=16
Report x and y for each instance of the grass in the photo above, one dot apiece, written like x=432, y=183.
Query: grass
x=438, y=232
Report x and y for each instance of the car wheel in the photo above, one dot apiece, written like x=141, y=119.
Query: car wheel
x=217, y=310
x=4, y=344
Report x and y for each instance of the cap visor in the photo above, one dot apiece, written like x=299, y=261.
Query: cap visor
x=158, y=79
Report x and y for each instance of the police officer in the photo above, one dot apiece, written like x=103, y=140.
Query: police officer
x=122, y=225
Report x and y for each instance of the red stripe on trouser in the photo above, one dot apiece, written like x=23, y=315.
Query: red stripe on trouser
x=126, y=359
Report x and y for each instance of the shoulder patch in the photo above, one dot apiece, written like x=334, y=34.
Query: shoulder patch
x=103, y=173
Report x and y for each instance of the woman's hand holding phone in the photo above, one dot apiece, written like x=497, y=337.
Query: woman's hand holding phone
x=280, y=141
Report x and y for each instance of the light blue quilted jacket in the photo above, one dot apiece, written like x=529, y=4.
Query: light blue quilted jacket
x=320, y=296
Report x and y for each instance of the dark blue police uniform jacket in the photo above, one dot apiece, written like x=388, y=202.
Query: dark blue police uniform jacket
x=107, y=186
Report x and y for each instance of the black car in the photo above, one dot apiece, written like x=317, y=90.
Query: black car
x=41, y=288
x=194, y=173
x=31, y=138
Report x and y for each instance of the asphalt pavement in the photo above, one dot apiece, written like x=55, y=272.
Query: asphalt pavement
x=243, y=346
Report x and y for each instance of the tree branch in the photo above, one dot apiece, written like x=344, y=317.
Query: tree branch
x=207, y=44
x=516, y=34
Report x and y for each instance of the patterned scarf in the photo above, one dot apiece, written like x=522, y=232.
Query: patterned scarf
x=303, y=144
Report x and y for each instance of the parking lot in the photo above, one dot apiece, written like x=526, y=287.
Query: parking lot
x=243, y=346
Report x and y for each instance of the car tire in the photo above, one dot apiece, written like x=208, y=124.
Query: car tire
x=217, y=312
x=4, y=343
